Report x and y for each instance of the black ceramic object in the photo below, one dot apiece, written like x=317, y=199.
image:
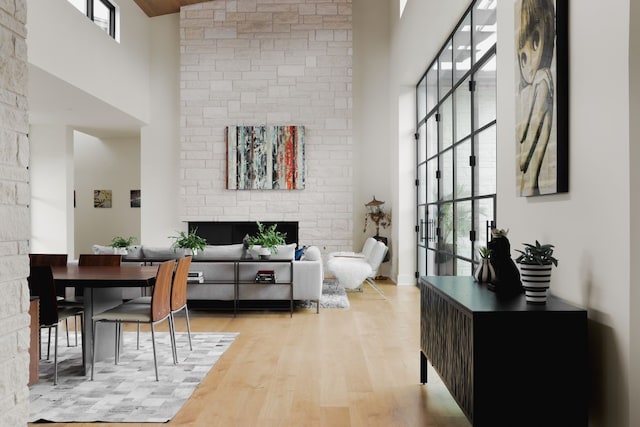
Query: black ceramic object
x=507, y=279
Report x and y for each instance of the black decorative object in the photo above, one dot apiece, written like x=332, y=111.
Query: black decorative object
x=246, y=244
x=507, y=281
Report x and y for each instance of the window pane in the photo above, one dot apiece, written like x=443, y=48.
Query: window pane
x=446, y=175
x=422, y=226
x=432, y=182
x=446, y=123
x=432, y=87
x=102, y=15
x=422, y=143
x=462, y=50
x=463, y=268
x=464, y=222
x=422, y=261
x=422, y=187
x=463, y=111
x=446, y=224
x=486, y=161
x=432, y=225
x=485, y=27
x=484, y=214
x=432, y=136
x=81, y=5
x=446, y=70
x=463, y=170
x=485, y=96
x=421, y=101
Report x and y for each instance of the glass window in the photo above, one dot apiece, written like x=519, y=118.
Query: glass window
x=102, y=12
x=459, y=196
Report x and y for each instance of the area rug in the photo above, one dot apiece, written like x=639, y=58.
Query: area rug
x=126, y=392
x=333, y=296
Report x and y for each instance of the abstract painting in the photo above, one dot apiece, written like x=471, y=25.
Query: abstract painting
x=265, y=157
x=542, y=137
x=134, y=198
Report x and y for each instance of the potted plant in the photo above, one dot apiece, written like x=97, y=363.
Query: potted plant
x=189, y=242
x=120, y=244
x=535, y=263
x=267, y=239
x=485, y=272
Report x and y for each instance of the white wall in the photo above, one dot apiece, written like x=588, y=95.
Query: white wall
x=265, y=62
x=51, y=174
x=64, y=42
x=105, y=164
x=160, y=147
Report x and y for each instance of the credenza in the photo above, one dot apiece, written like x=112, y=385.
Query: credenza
x=505, y=362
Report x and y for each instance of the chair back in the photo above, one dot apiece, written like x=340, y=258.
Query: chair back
x=99, y=260
x=53, y=260
x=376, y=258
x=41, y=284
x=179, y=286
x=368, y=246
x=161, y=297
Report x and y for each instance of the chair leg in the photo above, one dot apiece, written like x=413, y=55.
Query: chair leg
x=82, y=338
x=373, y=284
x=117, y=349
x=93, y=347
x=49, y=343
x=75, y=326
x=55, y=358
x=172, y=337
x=66, y=328
x=155, y=359
x=138, y=337
x=186, y=313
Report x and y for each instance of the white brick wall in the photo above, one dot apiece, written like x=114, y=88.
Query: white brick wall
x=273, y=62
x=14, y=211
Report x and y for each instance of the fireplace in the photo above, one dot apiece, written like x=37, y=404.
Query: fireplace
x=229, y=232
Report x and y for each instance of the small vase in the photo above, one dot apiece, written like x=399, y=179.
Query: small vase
x=485, y=272
x=535, y=281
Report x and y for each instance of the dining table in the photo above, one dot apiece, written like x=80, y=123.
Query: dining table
x=102, y=289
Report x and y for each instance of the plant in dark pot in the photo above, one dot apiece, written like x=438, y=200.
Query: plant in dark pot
x=507, y=280
x=267, y=240
x=536, y=262
x=191, y=242
x=121, y=244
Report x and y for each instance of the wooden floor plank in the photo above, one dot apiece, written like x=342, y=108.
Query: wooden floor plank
x=354, y=367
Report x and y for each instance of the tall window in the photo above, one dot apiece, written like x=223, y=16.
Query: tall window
x=102, y=12
x=456, y=146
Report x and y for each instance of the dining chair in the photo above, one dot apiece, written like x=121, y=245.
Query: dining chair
x=178, y=298
x=99, y=260
x=158, y=310
x=56, y=260
x=42, y=285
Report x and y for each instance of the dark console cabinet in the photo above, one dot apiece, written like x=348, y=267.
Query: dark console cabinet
x=506, y=362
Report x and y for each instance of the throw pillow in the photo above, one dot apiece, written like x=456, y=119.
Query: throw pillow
x=300, y=253
x=312, y=253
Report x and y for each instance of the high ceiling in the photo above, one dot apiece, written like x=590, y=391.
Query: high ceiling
x=163, y=7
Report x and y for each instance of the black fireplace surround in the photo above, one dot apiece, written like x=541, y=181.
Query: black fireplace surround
x=231, y=232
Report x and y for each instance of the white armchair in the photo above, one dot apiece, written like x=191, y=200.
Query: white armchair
x=353, y=270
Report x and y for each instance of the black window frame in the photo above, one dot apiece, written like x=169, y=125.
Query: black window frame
x=112, y=14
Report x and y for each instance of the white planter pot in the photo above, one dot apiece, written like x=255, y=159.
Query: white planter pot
x=120, y=251
x=535, y=281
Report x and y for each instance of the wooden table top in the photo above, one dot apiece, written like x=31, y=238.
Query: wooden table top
x=101, y=277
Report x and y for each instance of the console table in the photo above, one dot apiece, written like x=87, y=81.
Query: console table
x=238, y=282
x=505, y=362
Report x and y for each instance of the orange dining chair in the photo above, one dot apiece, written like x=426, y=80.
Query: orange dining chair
x=178, y=297
x=158, y=310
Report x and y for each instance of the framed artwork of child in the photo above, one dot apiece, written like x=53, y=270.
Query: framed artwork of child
x=542, y=143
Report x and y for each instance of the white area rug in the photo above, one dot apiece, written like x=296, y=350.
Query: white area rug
x=126, y=392
x=333, y=296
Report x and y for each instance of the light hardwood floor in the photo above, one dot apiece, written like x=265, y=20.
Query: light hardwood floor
x=355, y=367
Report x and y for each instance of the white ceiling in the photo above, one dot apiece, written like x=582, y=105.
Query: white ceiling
x=55, y=102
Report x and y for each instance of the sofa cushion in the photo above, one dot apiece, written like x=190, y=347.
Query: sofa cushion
x=162, y=252
x=285, y=252
x=101, y=249
x=221, y=252
x=312, y=253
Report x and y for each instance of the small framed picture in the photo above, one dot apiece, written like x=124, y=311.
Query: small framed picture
x=135, y=198
x=102, y=198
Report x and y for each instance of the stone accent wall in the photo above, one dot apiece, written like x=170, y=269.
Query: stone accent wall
x=14, y=211
x=269, y=62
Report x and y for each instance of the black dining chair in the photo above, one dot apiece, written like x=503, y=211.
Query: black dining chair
x=42, y=285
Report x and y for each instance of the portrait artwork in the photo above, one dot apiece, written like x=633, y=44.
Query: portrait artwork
x=541, y=97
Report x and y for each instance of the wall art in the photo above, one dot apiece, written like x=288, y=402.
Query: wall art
x=265, y=157
x=102, y=198
x=542, y=89
x=134, y=198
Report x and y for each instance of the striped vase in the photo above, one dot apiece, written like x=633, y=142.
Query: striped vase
x=485, y=272
x=535, y=281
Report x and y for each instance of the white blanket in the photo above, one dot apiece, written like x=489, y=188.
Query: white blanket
x=350, y=272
